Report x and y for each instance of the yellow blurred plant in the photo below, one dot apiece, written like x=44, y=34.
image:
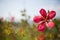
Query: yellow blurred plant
x=8, y=31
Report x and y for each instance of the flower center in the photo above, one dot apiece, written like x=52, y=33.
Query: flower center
x=45, y=19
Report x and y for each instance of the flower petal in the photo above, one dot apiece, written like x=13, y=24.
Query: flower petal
x=37, y=19
x=43, y=12
x=41, y=27
x=51, y=14
x=50, y=24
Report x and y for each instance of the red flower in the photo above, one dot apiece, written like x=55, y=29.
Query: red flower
x=41, y=37
x=45, y=19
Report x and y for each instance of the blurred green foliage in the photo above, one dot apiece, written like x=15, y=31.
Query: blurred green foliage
x=24, y=31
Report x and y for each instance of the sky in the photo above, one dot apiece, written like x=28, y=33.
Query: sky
x=10, y=8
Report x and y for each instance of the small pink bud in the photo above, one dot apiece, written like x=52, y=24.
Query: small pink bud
x=41, y=27
x=51, y=14
x=37, y=19
x=43, y=13
x=50, y=24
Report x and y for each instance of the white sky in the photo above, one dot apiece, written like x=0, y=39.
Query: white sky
x=10, y=8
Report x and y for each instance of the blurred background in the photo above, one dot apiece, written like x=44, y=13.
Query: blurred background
x=16, y=19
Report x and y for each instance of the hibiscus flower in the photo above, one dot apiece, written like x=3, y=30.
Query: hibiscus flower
x=44, y=19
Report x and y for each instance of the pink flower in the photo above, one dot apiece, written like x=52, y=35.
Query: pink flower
x=12, y=19
x=44, y=19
